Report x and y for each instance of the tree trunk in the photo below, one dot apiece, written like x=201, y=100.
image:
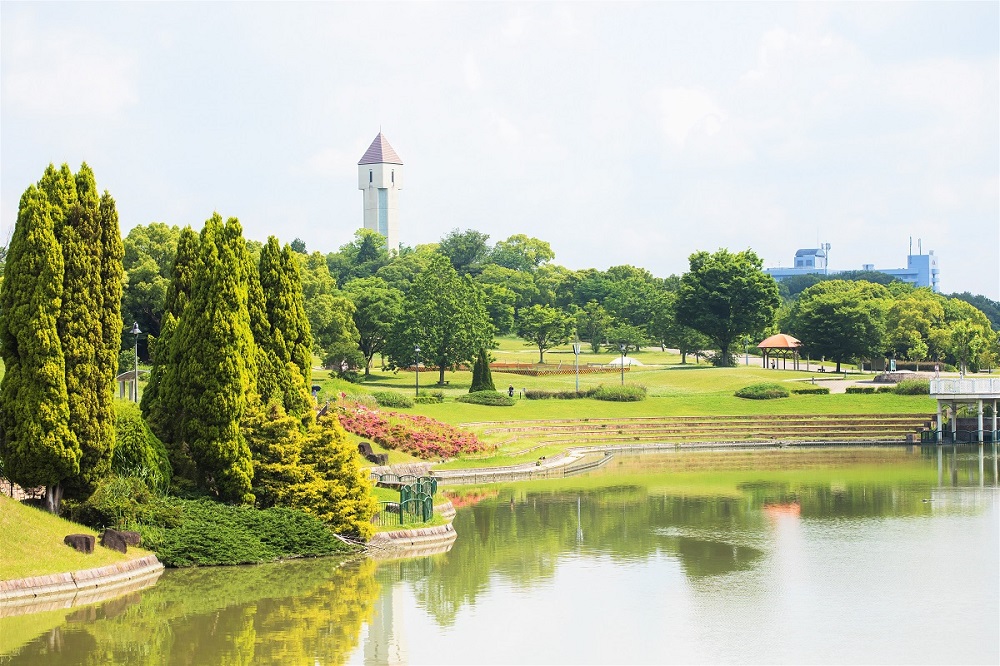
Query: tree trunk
x=53, y=498
x=684, y=358
x=440, y=374
x=541, y=355
x=838, y=366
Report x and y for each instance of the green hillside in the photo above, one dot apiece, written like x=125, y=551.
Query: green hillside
x=31, y=544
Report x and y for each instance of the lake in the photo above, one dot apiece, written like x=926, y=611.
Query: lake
x=860, y=555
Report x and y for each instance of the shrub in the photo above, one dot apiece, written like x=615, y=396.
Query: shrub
x=913, y=387
x=426, y=400
x=491, y=398
x=124, y=502
x=630, y=393
x=392, y=399
x=762, y=391
x=812, y=390
x=860, y=389
x=138, y=452
x=885, y=389
x=539, y=394
x=417, y=435
x=209, y=533
x=482, y=378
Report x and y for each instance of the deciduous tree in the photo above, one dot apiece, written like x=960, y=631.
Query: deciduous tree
x=444, y=314
x=377, y=306
x=726, y=296
x=841, y=320
x=544, y=327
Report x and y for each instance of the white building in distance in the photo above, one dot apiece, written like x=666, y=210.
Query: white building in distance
x=380, y=176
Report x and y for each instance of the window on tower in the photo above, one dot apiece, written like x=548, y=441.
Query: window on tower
x=369, y=175
x=383, y=211
x=392, y=175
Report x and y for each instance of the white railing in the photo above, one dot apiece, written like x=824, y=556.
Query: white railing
x=984, y=387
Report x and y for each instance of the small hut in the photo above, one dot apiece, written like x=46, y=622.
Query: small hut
x=781, y=346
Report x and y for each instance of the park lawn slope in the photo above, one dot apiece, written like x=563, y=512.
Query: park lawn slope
x=31, y=544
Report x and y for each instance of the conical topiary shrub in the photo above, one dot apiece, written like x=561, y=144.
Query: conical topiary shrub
x=482, y=379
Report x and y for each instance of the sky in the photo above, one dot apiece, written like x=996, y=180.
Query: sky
x=621, y=133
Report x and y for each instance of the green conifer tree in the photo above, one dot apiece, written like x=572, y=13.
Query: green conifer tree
x=36, y=442
x=213, y=367
x=289, y=340
x=112, y=285
x=482, y=378
x=159, y=400
x=80, y=327
x=335, y=488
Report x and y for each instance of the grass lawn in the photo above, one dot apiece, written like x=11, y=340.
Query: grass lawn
x=32, y=544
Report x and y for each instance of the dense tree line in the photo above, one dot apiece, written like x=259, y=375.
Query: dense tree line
x=363, y=306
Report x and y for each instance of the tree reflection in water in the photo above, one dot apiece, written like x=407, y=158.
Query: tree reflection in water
x=289, y=613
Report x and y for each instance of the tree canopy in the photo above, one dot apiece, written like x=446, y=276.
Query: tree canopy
x=726, y=296
x=444, y=315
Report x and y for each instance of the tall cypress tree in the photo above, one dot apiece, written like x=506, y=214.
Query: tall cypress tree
x=213, y=364
x=112, y=284
x=159, y=405
x=80, y=326
x=36, y=442
x=290, y=338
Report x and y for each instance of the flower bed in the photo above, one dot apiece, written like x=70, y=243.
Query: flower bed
x=417, y=435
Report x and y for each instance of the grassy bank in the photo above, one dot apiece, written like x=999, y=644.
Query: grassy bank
x=32, y=544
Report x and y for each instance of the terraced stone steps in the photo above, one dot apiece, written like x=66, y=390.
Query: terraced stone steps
x=839, y=427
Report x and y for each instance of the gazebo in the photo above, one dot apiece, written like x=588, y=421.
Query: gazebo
x=781, y=346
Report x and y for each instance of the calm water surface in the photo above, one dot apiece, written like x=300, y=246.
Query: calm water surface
x=824, y=556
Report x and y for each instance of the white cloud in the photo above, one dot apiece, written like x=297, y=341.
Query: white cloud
x=687, y=110
x=473, y=77
x=66, y=72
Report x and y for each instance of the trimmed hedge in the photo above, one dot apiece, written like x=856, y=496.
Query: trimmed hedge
x=491, y=398
x=763, y=391
x=886, y=389
x=392, y=399
x=539, y=394
x=913, y=387
x=631, y=393
x=860, y=389
x=812, y=390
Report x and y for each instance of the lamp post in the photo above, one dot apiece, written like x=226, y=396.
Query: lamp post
x=416, y=352
x=576, y=354
x=135, y=378
x=622, y=347
x=746, y=350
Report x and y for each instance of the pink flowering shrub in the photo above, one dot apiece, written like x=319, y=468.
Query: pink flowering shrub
x=417, y=435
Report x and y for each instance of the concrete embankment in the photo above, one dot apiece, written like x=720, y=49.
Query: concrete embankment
x=419, y=542
x=79, y=587
x=581, y=459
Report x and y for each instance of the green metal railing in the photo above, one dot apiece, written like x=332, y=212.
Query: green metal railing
x=419, y=509
x=416, y=499
x=959, y=437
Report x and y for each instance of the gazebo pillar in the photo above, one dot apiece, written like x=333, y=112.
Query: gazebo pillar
x=940, y=425
x=980, y=420
x=954, y=422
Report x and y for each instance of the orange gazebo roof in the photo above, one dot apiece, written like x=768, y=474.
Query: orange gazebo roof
x=780, y=341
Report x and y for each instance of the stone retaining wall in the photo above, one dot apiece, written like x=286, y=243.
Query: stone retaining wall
x=418, y=542
x=70, y=584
